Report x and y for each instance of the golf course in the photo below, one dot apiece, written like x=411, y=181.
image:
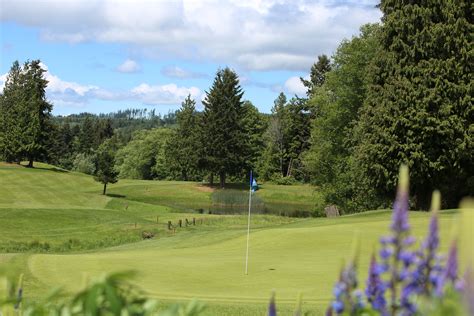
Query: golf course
x=60, y=231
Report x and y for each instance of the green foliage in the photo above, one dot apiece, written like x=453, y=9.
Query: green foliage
x=336, y=104
x=254, y=125
x=112, y=294
x=222, y=132
x=10, y=129
x=419, y=109
x=105, y=165
x=273, y=158
x=286, y=139
x=144, y=157
x=25, y=113
x=84, y=163
x=317, y=74
x=182, y=149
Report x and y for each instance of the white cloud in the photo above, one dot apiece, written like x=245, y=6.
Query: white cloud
x=3, y=78
x=72, y=94
x=163, y=94
x=180, y=73
x=294, y=85
x=257, y=35
x=129, y=66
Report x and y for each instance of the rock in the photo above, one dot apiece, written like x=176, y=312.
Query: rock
x=147, y=235
x=331, y=211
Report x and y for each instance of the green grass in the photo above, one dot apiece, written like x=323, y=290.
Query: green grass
x=206, y=261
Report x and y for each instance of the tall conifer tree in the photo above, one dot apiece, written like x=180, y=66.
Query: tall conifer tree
x=11, y=100
x=419, y=106
x=222, y=130
x=184, y=146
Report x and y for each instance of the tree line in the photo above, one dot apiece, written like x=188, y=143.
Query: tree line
x=385, y=97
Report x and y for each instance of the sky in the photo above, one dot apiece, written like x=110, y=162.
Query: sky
x=102, y=56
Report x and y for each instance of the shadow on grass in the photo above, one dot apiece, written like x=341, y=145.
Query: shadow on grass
x=54, y=169
x=116, y=195
x=233, y=186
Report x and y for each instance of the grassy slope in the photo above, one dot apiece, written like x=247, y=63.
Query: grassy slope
x=204, y=261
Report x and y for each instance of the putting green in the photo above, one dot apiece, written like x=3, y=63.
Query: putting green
x=303, y=256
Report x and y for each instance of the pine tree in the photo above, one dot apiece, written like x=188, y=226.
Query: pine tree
x=10, y=102
x=221, y=131
x=183, y=148
x=36, y=111
x=254, y=125
x=419, y=106
x=317, y=74
x=25, y=114
x=86, y=138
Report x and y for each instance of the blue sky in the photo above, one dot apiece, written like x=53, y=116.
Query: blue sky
x=102, y=56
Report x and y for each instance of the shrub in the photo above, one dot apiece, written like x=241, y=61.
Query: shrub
x=278, y=179
x=111, y=294
x=84, y=163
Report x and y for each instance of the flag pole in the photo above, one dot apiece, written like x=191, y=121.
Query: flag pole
x=248, y=226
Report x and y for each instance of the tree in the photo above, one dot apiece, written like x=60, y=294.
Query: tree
x=105, y=166
x=37, y=112
x=254, y=126
x=317, y=74
x=221, y=130
x=336, y=106
x=183, y=148
x=297, y=134
x=144, y=156
x=419, y=105
x=10, y=102
x=86, y=137
x=274, y=159
x=25, y=114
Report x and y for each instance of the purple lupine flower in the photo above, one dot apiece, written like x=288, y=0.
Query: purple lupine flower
x=400, y=208
x=422, y=268
x=344, y=290
x=358, y=298
x=396, y=257
x=329, y=311
x=272, y=306
x=469, y=289
x=432, y=241
x=375, y=290
x=451, y=272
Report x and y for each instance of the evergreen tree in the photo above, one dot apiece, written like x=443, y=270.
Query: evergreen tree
x=222, y=132
x=37, y=112
x=10, y=102
x=419, y=106
x=105, y=166
x=317, y=74
x=86, y=138
x=183, y=148
x=297, y=133
x=254, y=126
x=286, y=138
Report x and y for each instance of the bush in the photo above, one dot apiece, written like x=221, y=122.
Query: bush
x=278, y=179
x=111, y=294
x=84, y=163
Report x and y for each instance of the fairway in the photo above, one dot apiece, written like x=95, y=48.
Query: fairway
x=205, y=261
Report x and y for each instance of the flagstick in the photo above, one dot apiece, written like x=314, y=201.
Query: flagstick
x=248, y=227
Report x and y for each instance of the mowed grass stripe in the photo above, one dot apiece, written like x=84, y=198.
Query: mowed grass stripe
x=287, y=259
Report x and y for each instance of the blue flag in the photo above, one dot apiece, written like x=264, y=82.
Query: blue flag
x=254, y=185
